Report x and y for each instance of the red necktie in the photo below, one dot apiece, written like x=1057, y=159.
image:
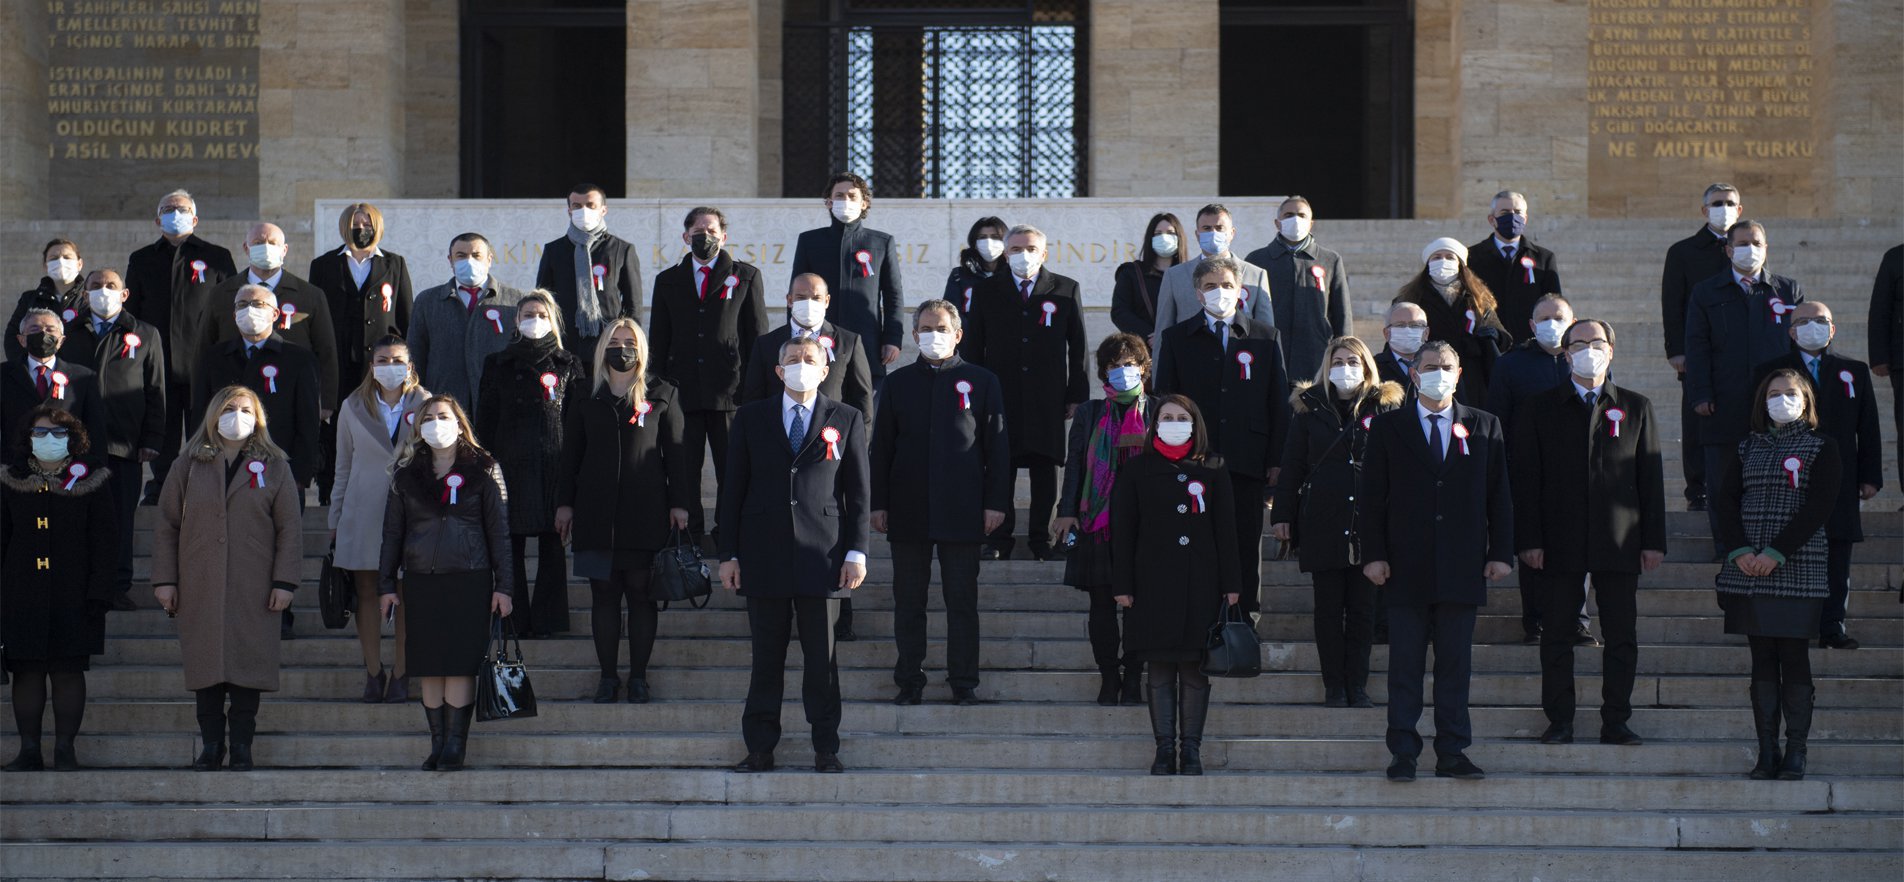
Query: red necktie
x=1024, y=288
x=704, y=271
x=41, y=382
x=1748, y=282
x=475, y=294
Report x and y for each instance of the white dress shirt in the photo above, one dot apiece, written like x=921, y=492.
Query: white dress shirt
x=271, y=282
x=1220, y=327
x=360, y=269
x=392, y=414
x=787, y=404
x=1446, y=424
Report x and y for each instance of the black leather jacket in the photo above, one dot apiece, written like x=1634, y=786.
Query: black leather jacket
x=424, y=532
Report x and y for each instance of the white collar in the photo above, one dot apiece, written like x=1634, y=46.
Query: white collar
x=1579, y=390
x=787, y=402
x=374, y=253
x=1501, y=245
x=1020, y=283
x=50, y=364
x=1739, y=278
x=1211, y=321
x=699, y=266
x=270, y=281
x=1422, y=412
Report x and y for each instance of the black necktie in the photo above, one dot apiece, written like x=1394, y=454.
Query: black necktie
x=1434, y=437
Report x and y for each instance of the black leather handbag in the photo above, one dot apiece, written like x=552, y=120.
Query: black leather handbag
x=1233, y=650
x=336, y=589
x=678, y=574
x=502, y=685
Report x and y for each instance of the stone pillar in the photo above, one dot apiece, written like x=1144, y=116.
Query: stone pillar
x=432, y=87
x=1523, y=101
x=693, y=98
x=1866, y=108
x=1437, y=108
x=1153, y=98
x=24, y=137
x=772, y=20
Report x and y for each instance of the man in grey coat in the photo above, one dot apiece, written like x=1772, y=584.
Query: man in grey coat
x=1177, y=299
x=457, y=324
x=1312, y=305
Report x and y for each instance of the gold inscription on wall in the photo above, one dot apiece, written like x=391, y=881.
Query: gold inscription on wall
x=146, y=95
x=1683, y=90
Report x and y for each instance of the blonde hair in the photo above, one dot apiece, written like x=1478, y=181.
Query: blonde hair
x=369, y=391
x=206, y=443
x=465, y=446
x=376, y=222
x=638, y=392
x=547, y=298
x=1371, y=378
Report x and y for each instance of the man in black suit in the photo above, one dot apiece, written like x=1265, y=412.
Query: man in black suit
x=592, y=260
x=1735, y=321
x=794, y=512
x=304, y=311
x=707, y=311
x=1514, y=268
x=1589, y=500
x=1848, y=413
x=1232, y=367
x=41, y=376
x=283, y=374
x=171, y=281
x=848, y=379
x=1441, y=528
x=942, y=475
x=129, y=358
x=1885, y=325
x=1404, y=329
x=1027, y=328
x=860, y=267
x=1689, y=261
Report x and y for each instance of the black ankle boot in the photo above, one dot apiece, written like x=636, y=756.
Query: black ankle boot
x=1796, y=701
x=1133, y=691
x=211, y=758
x=455, y=738
x=1765, y=716
x=243, y=727
x=30, y=758
x=65, y=758
x=1193, y=704
x=1163, y=725
x=1109, y=686
x=434, y=716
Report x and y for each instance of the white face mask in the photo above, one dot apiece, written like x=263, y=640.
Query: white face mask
x=803, y=377
x=1221, y=302
x=1165, y=244
x=535, y=327
x=391, y=376
x=1406, y=341
x=1590, y=362
x=588, y=220
x=1748, y=258
x=1813, y=336
x=236, y=425
x=1443, y=270
x=1438, y=385
x=1345, y=376
x=1784, y=408
x=267, y=257
x=1126, y=378
x=1548, y=333
x=989, y=249
x=807, y=313
x=845, y=212
x=1294, y=228
x=1025, y=263
x=1722, y=217
x=255, y=320
x=62, y=270
x=471, y=273
x=936, y=345
x=440, y=434
x=105, y=302
x=1174, y=434
x=178, y=222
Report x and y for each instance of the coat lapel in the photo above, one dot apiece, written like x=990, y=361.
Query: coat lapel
x=822, y=414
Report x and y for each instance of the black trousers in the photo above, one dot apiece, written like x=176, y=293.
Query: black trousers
x=1409, y=627
x=546, y=609
x=1105, y=627
x=1715, y=456
x=1534, y=600
x=128, y=481
x=1043, y=473
x=1345, y=626
x=770, y=622
x=1249, y=537
x=1838, y=578
x=1692, y=460
x=178, y=404
x=958, y=582
x=704, y=429
x=605, y=617
x=1619, y=626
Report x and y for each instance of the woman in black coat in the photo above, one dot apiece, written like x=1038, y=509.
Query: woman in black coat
x=1173, y=546
x=525, y=391
x=984, y=243
x=1105, y=434
x=1318, y=512
x=623, y=487
x=62, y=290
x=59, y=550
x=1461, y=313
x=1134, y=298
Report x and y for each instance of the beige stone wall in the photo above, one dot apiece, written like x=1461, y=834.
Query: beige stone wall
x=432, y=88
x=1867, y=106
x=23, y=127
x=1437, y=108
x=1152, y=66
x=1523, y=104
x=772, y=14
x=693, y=98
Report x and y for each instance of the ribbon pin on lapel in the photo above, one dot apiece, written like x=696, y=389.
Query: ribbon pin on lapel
x=727, y=287
x=832, y=438
x=548, y=385
x=68, y=315
x=198, y=271
x=1244, y=358
x=1851, y=391
x=1196, y=496
x=1461, y=434
x=1614, y=415
x=640, y=416
x=270, y=372
x=826, y=343
x=495, y=318
x=599, y=272
x=1792, y=466
x=73, y=473
x=1315, y=270
x=451, y=482
x=256, y=468
x=386, y=296
x=59, y=385
x=1367, y=421
x=965, y=393
x=865, y=259
x=1471, y=321
x=289, y=310
x=1779, y=309
x=968, y=298
x=1051, y=309
x=1527, y=263
x=130, y=346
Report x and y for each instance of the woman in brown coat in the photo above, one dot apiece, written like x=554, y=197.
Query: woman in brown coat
x=225, y=559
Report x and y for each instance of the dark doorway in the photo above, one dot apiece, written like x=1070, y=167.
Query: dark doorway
x=1319, y=100
x=544, y=96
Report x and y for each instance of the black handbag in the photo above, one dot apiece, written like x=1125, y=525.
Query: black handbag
x=678, y=574
x=1233, y=650
x=336, y=588
x=502, y=686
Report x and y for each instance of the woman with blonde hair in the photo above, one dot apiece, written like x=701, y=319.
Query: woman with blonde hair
x=446, y=533
x=624, y=487
x=374, y=424
x=369, y=293
x=227, y=554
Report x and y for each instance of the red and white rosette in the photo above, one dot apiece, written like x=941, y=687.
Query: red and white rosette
x=410, y=418
x=865, y=259
x=1614, y=417
x=1243, y=360
x=1471, y=320
x=270, y=372
x=198, y=271
x=832, y=438
x=727, y=287
x=67, y=315
x=1196, y=497
x=256, y=468
x=1793, y=465
x=494, y=316
x=129, y=346
x=1461, y=434
x=1050, y=308
x=1851, y=390
x=289, y=309
x=826, y=343
x=968, y=298
x=965, y=393
x=549, y=381
x=58, y=391
x=1527, y=264
x=386, y=291
x=600, y=273
x=1315, y=272
x=452, y=482
x=1779, y=309
x=1367, y=420
x=640, y=416
x=73, y=473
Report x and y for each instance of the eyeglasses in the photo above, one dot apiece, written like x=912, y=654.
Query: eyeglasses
x=44, y=432
x=1418, y=325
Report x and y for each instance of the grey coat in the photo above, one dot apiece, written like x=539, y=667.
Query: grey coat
x=449, y=343
x=1307, y=314
x=1177, y=299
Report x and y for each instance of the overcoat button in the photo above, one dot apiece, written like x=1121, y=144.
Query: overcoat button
x=1183, y=540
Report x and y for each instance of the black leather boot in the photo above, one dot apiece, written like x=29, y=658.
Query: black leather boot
x=30, y=758
x=1193, y=706
x=1765, y=716
x=1163, y=724
x=456, y=737
x=1109, y=687
x=65, y=758
x=244, y=725
x=211, y=757
x=1133, y=691
x=1796, y=700
x=434, y=716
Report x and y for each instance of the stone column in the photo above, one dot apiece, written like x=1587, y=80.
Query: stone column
x=1153, y=98
x=1523, y=103
x=1437, y=108
x=24, y=137
x=693, y=98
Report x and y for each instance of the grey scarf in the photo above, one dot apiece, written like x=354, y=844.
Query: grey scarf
x=588, y=304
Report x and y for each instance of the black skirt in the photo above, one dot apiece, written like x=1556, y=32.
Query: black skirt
x=49, y=665
x=448, y=622
x=1757, y=616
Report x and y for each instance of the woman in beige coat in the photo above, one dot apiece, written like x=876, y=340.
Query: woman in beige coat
x=375, y=423
x=225, y=559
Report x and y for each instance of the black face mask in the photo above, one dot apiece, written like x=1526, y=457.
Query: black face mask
x=40, y=344
x=704, y=246
x=361, y=237
x=620, y=358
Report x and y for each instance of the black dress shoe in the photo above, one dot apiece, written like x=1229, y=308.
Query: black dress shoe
x=755, y=762
x=1837, y=641
x=1402, y=768
x=1359, y=698
x=1557, y=733
x=240, y=757
x=992, y=552
x=964, y=696
x=1335, y=696
x=828, y=763
x=844, y=634
x=1696, y=504
x=638, y=691
x=1458, y=767
x=211, y=759
x=1584, y=637
x=1532, y=638
x=123, y=603
x=909, y=696
x=605, y=690
x=1619, y=734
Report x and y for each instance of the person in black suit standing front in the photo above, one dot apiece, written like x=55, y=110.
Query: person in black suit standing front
x=848, y=379
x=40, y=376
x=304, y=311
x=1689, y=261
x=1589, y=499
x=1513, y=267
x=282, y=374
x=861, y=267
x=1441, y=528
x=942, y=475
x=794, y=512
x=589, y=260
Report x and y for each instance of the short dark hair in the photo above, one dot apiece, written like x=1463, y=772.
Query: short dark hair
x=57, y=242
x=1295, y=198
x=1118, y=347
x=1720, y=187
x=1214, y=208
x=1566, y=338
x=859, y=183
x=1440, y=346
x=77, y=442
x=471, y=237
x=1210, y=266
x=698, y=210
x=586, y=188
x=1199, y=444
x=1744, y=222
